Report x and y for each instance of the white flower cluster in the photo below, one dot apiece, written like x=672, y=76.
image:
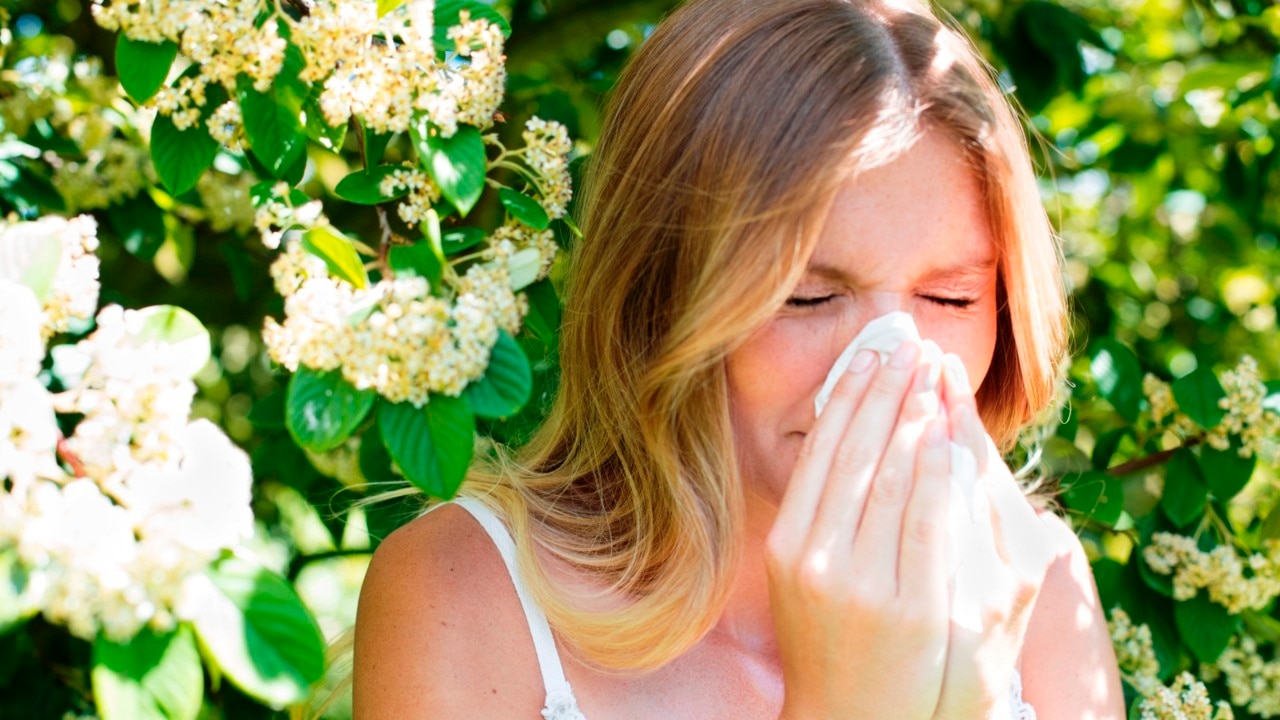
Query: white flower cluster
x=74, y=293
x=115, y=170
x=1187, y=699
x=1135, y=653
x=384, y=82
x=1221, y=571
x=227, y=202
x=394, y=337
x=222, y=37
x=516, y=237
x=380, y=70
x=423, y=193
x=1252, y=681
x=279, y=214
x=547, y=148
x=1256, y=426
x=110, y=525
x=1246, y=417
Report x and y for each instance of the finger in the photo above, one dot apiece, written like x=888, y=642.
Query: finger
x=956, y=390
x=800, y=501
x=924, y=547
x=861, y=447
x=968, y=431
x=878, y=535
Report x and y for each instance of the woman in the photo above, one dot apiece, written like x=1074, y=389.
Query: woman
x=770, y=177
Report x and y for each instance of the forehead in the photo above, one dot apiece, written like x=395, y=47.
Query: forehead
x=922, y=213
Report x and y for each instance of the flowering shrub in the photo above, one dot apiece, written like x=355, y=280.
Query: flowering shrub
x=126, y=520
x=353, y=211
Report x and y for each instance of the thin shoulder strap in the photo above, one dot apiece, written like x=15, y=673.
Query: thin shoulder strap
x=553, y=680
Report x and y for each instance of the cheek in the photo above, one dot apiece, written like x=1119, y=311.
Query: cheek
x=972, y=337
x=776, y=372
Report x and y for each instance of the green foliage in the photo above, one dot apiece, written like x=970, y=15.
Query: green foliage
x=1159, y=124
x=143, y=66
x=152, y=677
x=258, y=633
x=432, y=445
x=456, y=163
x=323, y=409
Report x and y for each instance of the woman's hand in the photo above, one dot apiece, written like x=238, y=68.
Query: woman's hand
x=1007, y=562
x=857, y=555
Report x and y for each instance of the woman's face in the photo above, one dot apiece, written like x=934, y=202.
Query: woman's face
x=912, y=236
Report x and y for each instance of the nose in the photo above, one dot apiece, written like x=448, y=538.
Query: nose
x=871, y=305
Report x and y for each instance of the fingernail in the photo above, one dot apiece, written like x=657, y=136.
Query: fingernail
x=863, y=361
x=905, y=356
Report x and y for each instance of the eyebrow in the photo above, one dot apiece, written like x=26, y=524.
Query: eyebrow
x=964, y=269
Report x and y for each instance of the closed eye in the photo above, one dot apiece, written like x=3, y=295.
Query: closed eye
x=960, y=303
x=808, y=301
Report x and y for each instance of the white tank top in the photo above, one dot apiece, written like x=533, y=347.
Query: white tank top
x=560, y=703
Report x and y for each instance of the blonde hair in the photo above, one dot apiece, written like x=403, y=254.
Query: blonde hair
x=726, y=139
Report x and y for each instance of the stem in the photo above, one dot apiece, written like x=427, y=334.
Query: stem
x=384, y=248
x=301, y=561
x=72, y=460
x=1151, y=460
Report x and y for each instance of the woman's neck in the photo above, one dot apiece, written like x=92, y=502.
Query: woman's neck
x=746, y=621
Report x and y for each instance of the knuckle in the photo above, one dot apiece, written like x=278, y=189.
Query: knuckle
x=920, y=530
x=891, y=487
x=848, y=461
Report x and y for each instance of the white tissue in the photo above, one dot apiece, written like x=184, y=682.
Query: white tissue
x=884, y=335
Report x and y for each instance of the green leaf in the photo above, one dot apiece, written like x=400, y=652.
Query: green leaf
x=524, y=208
x=445, y=15
x=1198, y=393
x=322, y=409
x=1205, y=626
x=1185, y=492
x=543, y=318
x=150, y=676
x=180, y=156
x=27, y=189
x=272, y=119
x=504, y=389
x=1105, y=448
x=457, y=163
x=1095, y=495
x=1119, y=376
x=143, y=66
x=523, y=267
x=13, y=581
x=1225, y=471
x=386, y=6
x=30, y=255
x=375, y=146
x=455, y=240
x=267, y=412
x=318, y=130
x=338, y=253
x=258, y=633
x=417, y=259
x=362, y=186
x=184, y=342
x=431, y=445
x=140, y=224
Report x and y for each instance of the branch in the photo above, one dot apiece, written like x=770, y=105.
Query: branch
x=300, y=561
x=1151, y=460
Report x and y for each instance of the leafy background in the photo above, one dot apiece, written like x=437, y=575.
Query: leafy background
x=1156, y=125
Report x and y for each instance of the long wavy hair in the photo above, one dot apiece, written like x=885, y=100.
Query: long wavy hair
x=724, y=143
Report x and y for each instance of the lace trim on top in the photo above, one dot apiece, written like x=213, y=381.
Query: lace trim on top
x=560, y=703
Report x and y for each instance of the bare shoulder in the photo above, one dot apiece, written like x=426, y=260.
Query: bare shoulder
x=439, y=630
x=1069, y=667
